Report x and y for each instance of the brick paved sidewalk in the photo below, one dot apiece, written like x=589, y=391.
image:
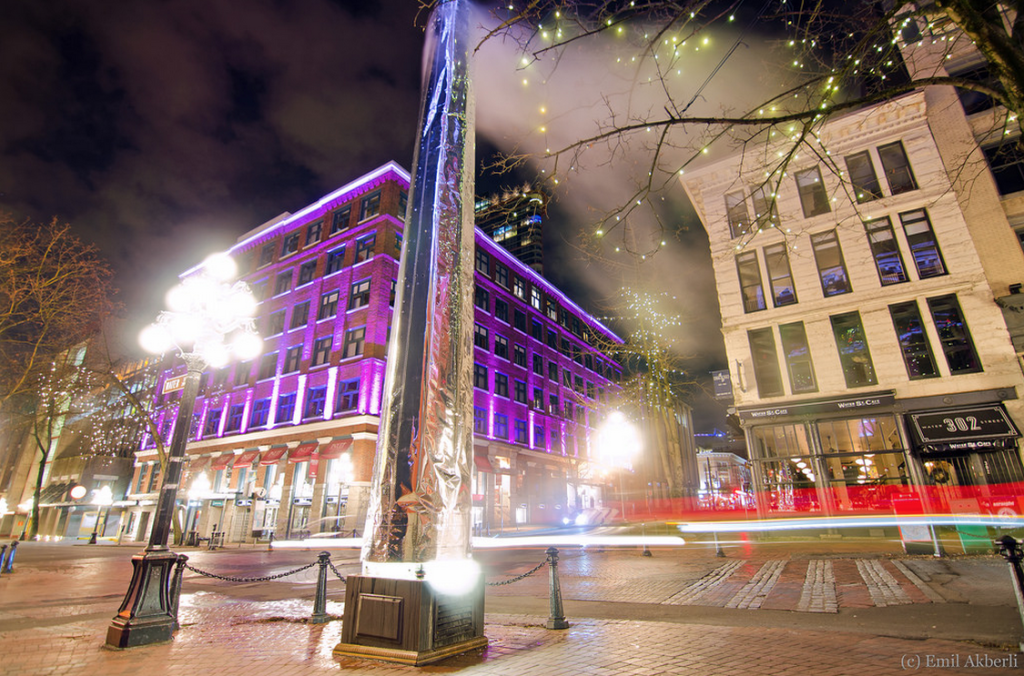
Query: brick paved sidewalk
x=221, y=636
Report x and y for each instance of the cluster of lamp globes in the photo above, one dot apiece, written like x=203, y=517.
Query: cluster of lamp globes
x=208, y=316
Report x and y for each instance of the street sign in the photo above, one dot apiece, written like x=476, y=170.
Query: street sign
x=174, y=384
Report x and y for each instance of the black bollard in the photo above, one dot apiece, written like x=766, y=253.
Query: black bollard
x=1012, y=552
x=175, y=591
x=9, y=568
x=3, y=558
x=557, y=619
x=320, y=602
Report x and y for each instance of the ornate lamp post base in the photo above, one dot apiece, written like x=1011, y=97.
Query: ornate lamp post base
x=149, y=612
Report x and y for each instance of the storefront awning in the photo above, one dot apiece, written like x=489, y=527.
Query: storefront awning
x=483, y=464
x=246, y=458
x=302, y=453
x=970, y=428
x=335, y=449
x=199, y=463
x=222, y=461
x=273, y=455
x=53, y=493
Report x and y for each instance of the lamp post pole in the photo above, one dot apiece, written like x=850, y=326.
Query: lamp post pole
x=204, y=310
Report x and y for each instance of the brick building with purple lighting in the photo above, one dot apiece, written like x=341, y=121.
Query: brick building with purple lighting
x=285, y=443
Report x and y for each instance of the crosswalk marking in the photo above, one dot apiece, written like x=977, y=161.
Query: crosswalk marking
x=755, y=591
x=883, y=587
x=819, y=592
x=690, y=594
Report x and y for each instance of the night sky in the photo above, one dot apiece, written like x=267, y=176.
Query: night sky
x=163, y=130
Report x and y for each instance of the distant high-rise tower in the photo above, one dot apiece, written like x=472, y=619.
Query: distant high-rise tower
x=516, y=222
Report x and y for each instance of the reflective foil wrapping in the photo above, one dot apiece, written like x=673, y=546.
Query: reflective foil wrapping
x=420, y=501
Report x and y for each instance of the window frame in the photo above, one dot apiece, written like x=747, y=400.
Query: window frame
x=748, y=269
x=813, y=195
x=891, y=172
x=818, y=244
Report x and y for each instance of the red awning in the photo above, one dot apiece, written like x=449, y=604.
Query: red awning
x=302, y=453
x=246, y=458
x=483, y=464
x=335, y=449
x=273, y=455
x=197, y=464
x=222, y=461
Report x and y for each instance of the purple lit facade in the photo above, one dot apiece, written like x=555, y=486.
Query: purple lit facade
x=287, y=440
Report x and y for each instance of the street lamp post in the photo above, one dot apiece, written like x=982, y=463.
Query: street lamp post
x=104, y=498
x=207, y=321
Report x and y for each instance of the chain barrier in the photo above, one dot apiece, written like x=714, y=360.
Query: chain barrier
x=268, y=578
x=336, y=573
x=518, y=577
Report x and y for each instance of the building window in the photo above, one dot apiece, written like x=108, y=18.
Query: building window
x=520, y=391
x=736, y=213
x=313, y=232
x=501, y=275
x=896, y=168
x=917, y=354
x=369, y=206
x=275, y=323
x=567, y=378
x=776, y=259
x=259, y=290
x=354, y=339
x=285, y=408
x=501, y=310
x=556, y=440
x=519, y=320
x=315, y=400
x=538, y=398
x=519, y=355
x=886, y=251
x=765, y=209
x=552, y=310
x=924, y=248
x=813, y=197
x=268, y=365
x=260, y=413
x=480, y=377
x=348, y=396
x=520, y=431
x=535, y=298
x=553, y=404
x=750, y=281
x=242, y=373
x=863, y=178
x=235, y=414
x=564, y=347
x=501, y=426
x=479, y=420
x=537, y=330
x=798, y=358
x=483, y=262
x=359, y=296
x=291, y=359
x=290, y=244
x=553, y=371
x=766, y=363
x=481, y=337
x=306, y=272
x=482, y=298
x=322, y=350
x=364, y=247
x=393, y=294
x=300, y=315
x=342, y=217
x=954, y=335
x=831, y=266
x=1006, y=161
x=266, y=254
x=501, y=384
x=328, y=305
x=212, y=422
x=501, y=347
x=335, y=259
x=853, y=350
x=538, y=365
x=539, y=439
x=283, y=283
x=519, y=288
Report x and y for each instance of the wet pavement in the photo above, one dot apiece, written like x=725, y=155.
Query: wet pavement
x=766, y=610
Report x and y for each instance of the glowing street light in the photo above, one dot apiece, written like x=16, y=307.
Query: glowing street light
x=209, y=321
x=103, y=497
x=618, y=443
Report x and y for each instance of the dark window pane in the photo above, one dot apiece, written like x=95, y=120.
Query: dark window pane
x=885, y=251
x=831, y=267
x=766, y=363
x=897, y=168
x=863, y=178
x=924, y=248
x=798, y=357
x=750, y=282
x=776, y=259
x=853, y=350
x=917, y=354
x=1007, y=164
x=954, y=335
x=813, y=197
x=736, y=213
